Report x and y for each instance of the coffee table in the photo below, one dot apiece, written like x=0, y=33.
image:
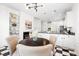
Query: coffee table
x=31, y=42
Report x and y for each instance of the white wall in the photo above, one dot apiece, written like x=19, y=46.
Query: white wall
x=4, y=24
x=44, y=26
x=55, y=26
x=36, y=24
x=68, y=19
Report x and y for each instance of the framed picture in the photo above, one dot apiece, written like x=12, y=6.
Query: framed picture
x=28, y=24
x=13, y=24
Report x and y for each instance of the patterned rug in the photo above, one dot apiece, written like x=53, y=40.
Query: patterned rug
x=59, y=51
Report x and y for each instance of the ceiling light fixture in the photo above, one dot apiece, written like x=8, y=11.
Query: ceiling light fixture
x=35, y=6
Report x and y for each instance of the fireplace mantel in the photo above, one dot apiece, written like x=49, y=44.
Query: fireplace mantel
x=28, y=30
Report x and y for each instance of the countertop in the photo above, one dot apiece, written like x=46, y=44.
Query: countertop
x=56, y=33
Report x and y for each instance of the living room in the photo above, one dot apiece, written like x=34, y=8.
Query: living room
x=46, y=23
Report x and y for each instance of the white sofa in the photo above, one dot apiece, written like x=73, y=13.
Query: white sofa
x=24, y=50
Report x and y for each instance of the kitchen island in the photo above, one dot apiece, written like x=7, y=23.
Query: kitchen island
x=64, y=40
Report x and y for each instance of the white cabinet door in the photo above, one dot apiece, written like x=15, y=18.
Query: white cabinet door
x=58, y=40
x=68, y=41
x=71, y=42
x=64, y=40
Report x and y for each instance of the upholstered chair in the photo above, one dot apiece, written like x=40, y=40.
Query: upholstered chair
x=52, y=40
x=12, y=42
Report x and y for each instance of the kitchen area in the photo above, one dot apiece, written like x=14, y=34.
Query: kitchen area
x=56, y=22
x=60, y=27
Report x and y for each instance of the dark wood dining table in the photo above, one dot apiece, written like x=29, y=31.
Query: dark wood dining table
x=31, y=42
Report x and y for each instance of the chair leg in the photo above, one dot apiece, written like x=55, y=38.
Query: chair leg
x=53, y=49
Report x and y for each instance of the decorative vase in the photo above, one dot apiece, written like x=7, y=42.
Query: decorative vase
x=35, y=35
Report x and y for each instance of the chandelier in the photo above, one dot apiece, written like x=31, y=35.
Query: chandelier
x=33, y=6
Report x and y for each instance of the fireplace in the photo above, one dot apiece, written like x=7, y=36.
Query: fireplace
x=25, y=35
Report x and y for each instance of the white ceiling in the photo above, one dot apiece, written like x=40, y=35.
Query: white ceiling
x=44, y=13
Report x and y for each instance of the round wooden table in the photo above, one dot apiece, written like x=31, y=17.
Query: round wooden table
x=31, y=42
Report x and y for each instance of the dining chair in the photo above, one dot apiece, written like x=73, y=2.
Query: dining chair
x=12, y=42
x=52, y=40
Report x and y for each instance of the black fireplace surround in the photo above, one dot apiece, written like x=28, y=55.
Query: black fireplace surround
x=25, y=35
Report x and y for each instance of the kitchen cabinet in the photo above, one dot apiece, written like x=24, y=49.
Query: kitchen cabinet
x=63, y=40
x=59, y=40
x=70, y=41
x=67, y=41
